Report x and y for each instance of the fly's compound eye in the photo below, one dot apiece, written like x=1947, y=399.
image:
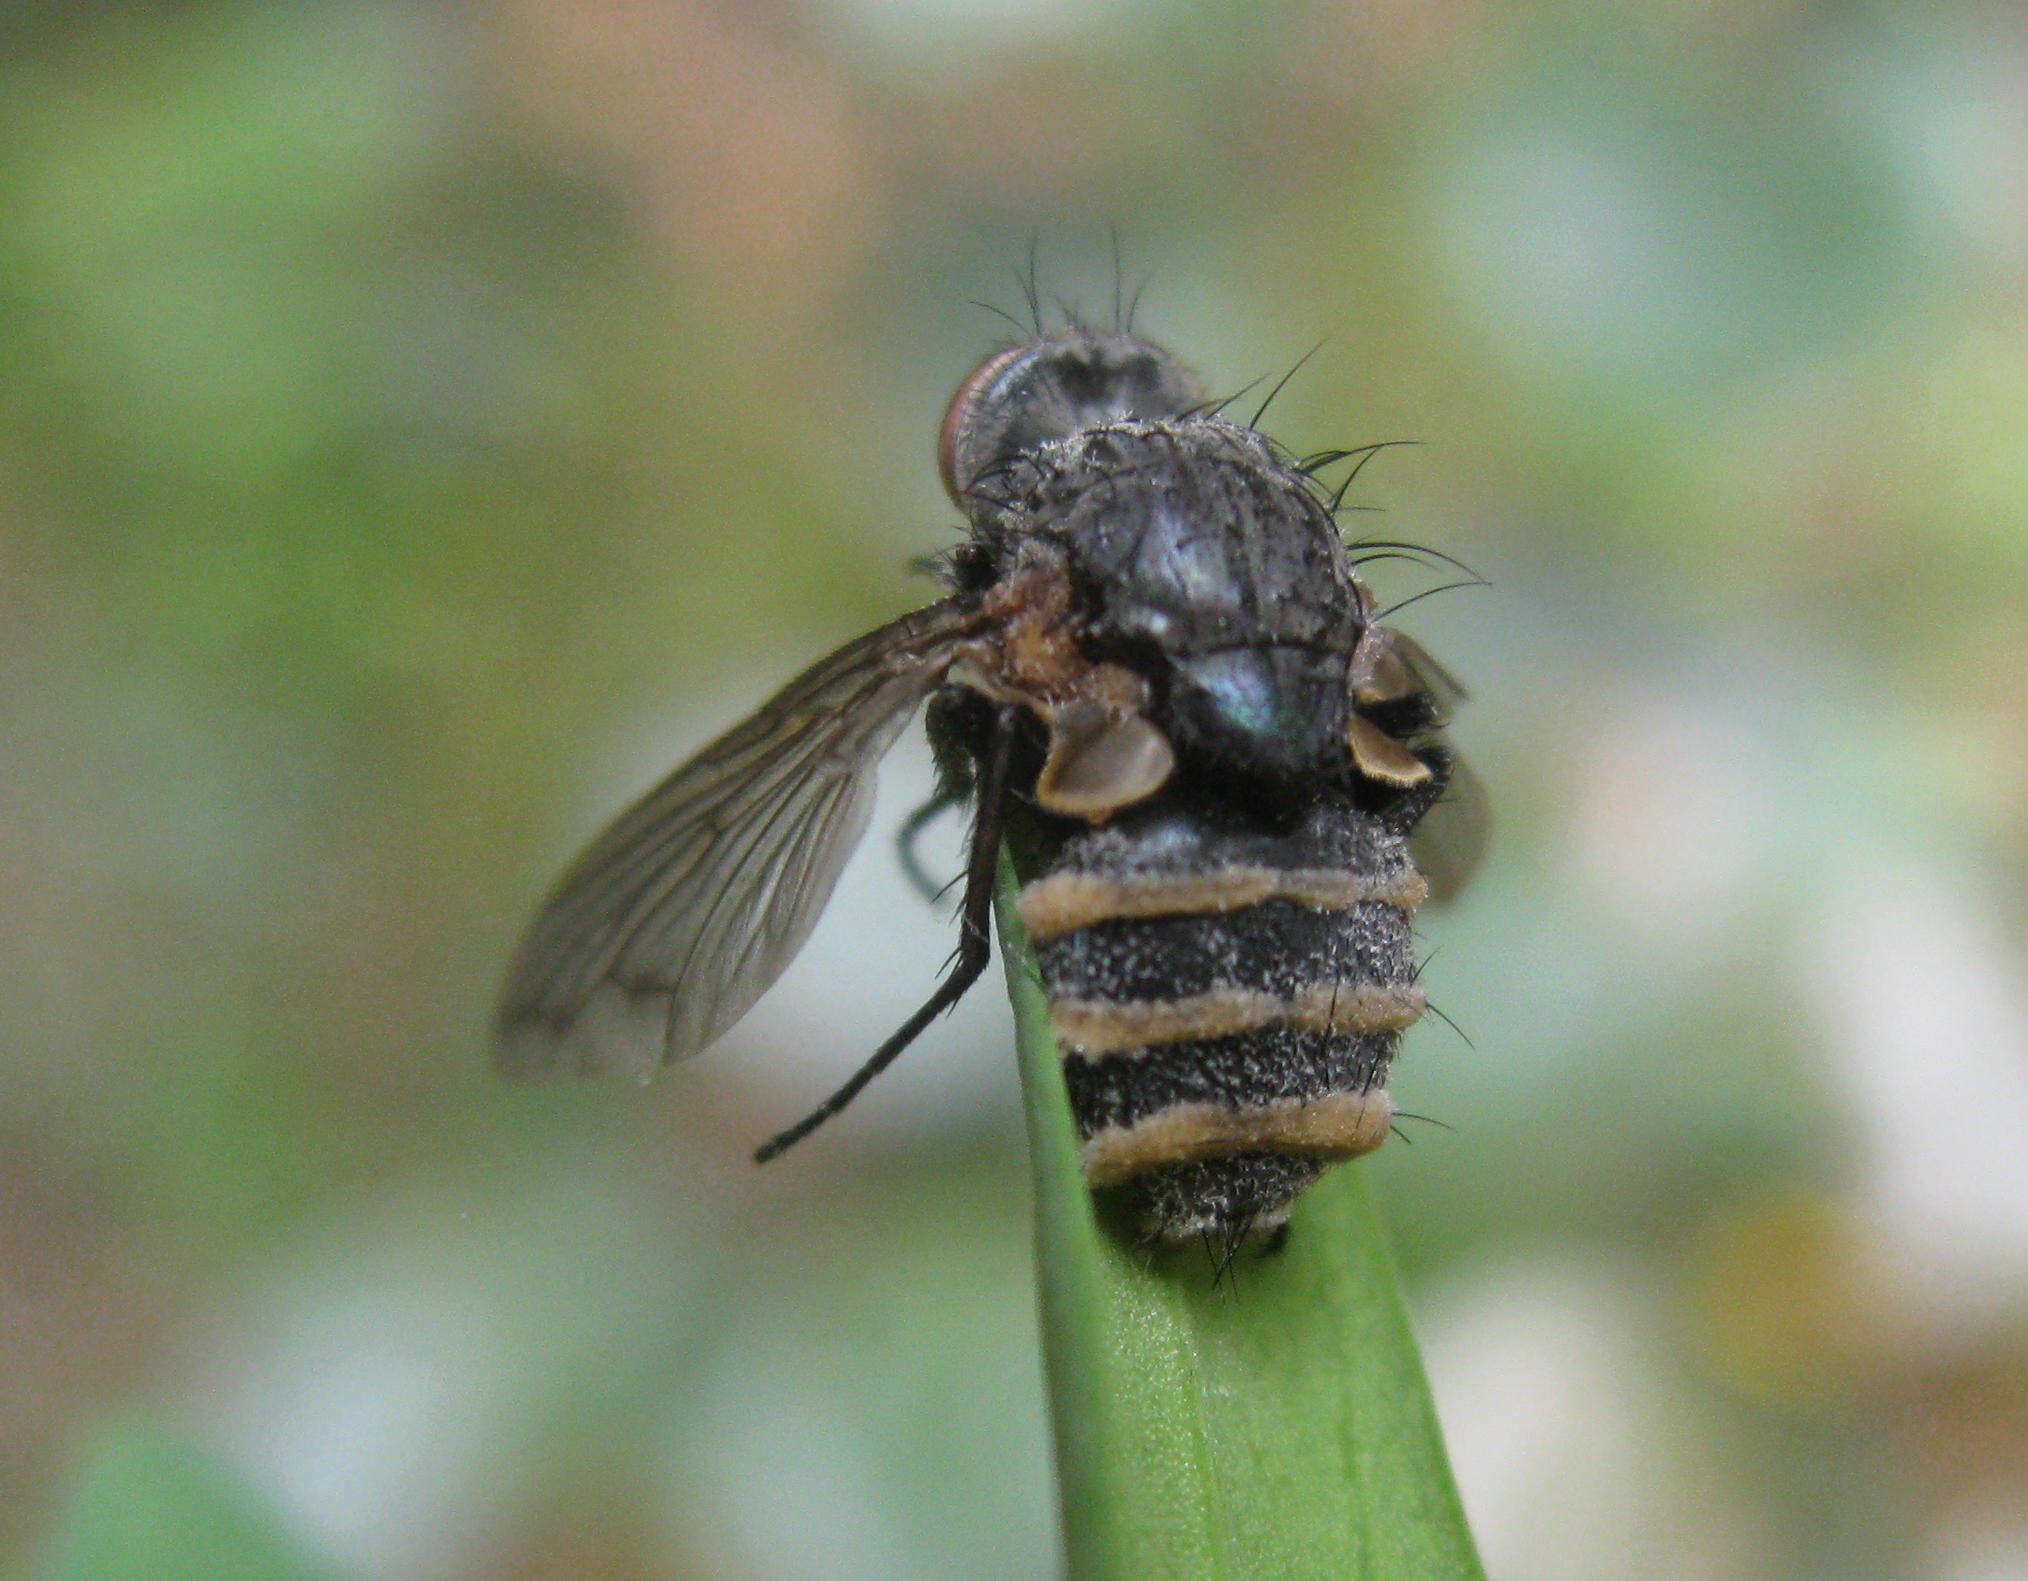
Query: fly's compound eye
x=958, y=417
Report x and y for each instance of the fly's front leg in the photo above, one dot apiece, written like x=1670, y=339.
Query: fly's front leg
x=975, y=939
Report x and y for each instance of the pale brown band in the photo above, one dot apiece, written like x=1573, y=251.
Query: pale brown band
x=1093, y=1027
x=1341, y=1125
x=1063, y=902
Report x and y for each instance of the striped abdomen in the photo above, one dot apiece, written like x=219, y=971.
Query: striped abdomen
x=1228, y=995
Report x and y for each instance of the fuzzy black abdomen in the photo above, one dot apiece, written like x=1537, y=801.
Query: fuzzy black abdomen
x=1228, y=992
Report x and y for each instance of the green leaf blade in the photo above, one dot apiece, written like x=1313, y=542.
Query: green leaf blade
x=1273, y=1423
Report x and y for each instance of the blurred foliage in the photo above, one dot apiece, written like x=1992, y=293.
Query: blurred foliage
x=419, y=423
x=150, y=1506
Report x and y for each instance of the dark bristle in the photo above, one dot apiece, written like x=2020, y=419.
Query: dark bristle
x=1429, y=592
x=998, y=312
x=1417, y=550
x=1463, y=1037
x=1282, y=384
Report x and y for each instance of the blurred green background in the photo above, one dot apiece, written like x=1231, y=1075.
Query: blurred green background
x=422, y=424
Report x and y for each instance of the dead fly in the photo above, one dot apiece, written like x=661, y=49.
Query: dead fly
x=1160, y=680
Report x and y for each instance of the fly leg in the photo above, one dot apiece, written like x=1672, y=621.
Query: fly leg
x=974, y=941
x=920, y=877
x=957, y=721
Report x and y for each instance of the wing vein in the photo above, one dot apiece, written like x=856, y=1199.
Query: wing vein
x=691, y=902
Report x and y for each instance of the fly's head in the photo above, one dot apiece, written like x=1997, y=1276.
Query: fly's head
x=1049, y=389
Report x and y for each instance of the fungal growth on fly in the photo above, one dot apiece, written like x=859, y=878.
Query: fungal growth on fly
x=1161, y=682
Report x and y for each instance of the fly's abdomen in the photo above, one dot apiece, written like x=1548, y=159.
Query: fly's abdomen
x=1228, y=996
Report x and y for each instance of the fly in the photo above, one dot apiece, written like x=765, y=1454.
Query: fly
x=1159, y=679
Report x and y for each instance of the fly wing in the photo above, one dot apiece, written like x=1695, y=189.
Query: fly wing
x=1450, y=841
x=683, y=912
x=1432, y=678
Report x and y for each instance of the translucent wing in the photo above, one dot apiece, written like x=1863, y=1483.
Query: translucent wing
x=683, y=912
x=1450, y=840
x=1430, y=677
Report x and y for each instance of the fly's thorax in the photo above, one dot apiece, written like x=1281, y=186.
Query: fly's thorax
x=1228, y=988
x=1192, y=536
x=1197, y=555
